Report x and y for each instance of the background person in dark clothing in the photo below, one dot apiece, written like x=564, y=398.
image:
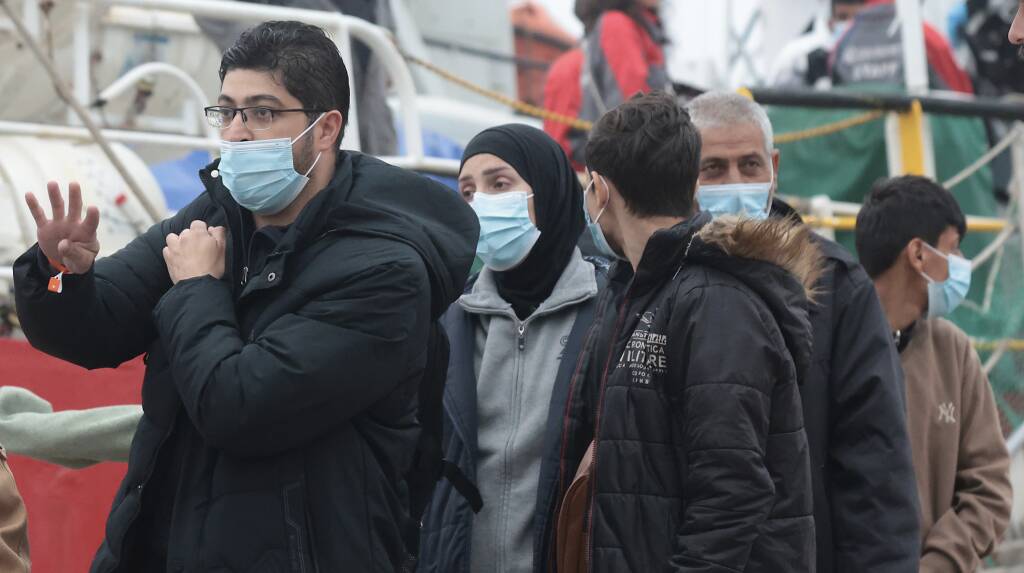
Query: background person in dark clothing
x=285, y=321
x=688, y=384
x=865, y=499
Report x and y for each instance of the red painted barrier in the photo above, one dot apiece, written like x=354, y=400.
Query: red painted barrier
x=66, y=508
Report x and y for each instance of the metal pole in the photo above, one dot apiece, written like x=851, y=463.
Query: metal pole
x=121, y=136
x=344, y=41
x=915, y=61
x=30, y=16
x=916, y=135
x=1017, y=158
x=66, y=95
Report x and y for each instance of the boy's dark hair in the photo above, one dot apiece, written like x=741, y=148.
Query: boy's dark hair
x=301, y=57
x=899, y=210
x=650, y=149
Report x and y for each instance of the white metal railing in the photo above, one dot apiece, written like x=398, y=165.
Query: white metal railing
x=132, y=77
x=343, y=28
x=119, y=135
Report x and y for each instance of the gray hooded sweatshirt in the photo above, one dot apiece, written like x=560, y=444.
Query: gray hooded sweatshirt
x=516, y=363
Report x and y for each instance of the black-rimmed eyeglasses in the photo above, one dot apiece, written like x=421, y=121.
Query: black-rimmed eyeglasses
x=256, y=118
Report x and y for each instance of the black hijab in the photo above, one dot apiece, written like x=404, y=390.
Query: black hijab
x=557, y=203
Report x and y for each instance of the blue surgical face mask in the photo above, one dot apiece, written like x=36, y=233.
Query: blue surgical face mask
x=945, y=296
x=752, y=200
x=506, y=232
x=260, y=175
x=600, y=242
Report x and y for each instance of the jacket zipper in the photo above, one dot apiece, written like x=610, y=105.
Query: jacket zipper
x=248, y=258
x=522, y=336
x=597, y=431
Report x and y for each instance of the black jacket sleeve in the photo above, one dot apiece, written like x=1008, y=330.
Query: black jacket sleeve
x=870, y=471
x=341, y=352
x=103, y=317
x=723, y=405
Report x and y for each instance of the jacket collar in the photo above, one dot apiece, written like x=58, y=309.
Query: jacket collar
x=776, y=258
x=576, y=284
x=312, y=221
x=663, y=254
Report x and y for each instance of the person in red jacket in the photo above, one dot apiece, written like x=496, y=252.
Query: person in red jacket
x=623, y=48
x=872, y=21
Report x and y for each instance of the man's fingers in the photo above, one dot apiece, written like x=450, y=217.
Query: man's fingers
x=36, y=209
x=220, y=235
x=91, y=222
x=74, y=201
x=56, y=200
x=172, y=240
x=198, y=226
x=77, y=256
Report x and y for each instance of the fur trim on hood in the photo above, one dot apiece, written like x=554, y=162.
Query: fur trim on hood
x=782, y=242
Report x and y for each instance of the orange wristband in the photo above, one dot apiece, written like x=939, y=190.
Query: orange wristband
x=56, y=282
x=59, y=266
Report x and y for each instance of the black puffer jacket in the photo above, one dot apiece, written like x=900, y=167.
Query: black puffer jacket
x=692, y=370
x=865, y=495
x=280, y=411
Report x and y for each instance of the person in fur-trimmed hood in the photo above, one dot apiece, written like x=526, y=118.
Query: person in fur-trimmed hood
x=688, y=384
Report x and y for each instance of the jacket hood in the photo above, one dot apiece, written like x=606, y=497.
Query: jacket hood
x=778, y=260
x=781, y=242
x=370, y=197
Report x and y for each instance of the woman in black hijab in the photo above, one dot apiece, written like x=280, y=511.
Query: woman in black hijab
x=515, y=336
x=558, y=206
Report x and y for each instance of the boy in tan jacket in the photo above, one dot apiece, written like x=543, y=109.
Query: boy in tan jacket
x=908, y=239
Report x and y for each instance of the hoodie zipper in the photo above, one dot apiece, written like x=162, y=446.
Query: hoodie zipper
x=520, y=330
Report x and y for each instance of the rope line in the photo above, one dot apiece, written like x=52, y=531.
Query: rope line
x=985, y=159
x=518, y=105
x=584, y=125
x=828, y=129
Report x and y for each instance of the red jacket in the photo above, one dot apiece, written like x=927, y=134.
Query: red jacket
x=625, y=57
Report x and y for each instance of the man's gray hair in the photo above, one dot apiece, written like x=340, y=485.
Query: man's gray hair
x=713, y=110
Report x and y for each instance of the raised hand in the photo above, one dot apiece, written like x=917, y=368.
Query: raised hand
x=67, y=238
x=197, y=251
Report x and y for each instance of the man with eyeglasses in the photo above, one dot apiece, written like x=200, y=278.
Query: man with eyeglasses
x=288, y=316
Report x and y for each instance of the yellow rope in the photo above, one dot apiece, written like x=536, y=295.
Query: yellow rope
x=515, y=104
x=847, y=223
x=584, y=125
x=828, y=129
x=992, y=345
